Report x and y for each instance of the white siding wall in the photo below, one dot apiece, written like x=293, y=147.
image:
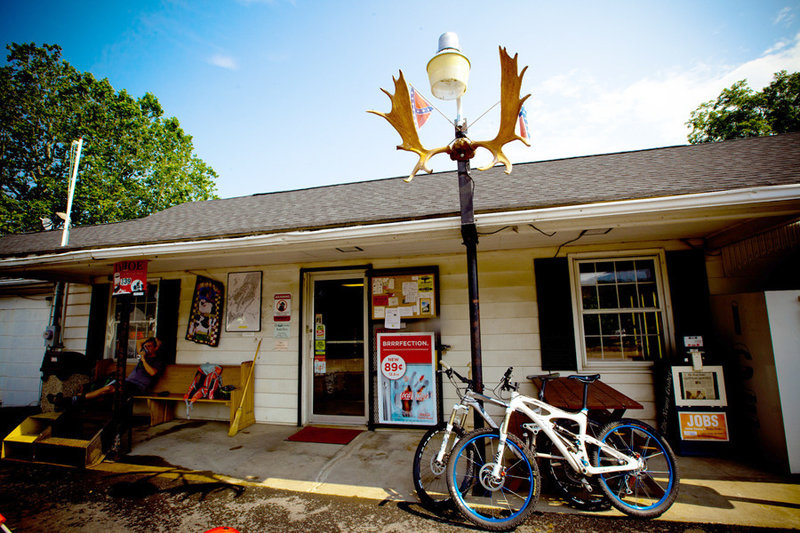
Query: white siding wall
x=22, y=322
x=509, y=329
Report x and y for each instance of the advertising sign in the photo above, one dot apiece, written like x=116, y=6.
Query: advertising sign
x=406, y=380
x=130, y=277
x=703, y=426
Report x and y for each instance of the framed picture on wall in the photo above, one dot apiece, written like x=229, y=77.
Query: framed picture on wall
x=244, y=301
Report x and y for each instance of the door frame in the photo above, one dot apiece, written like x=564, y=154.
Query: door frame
x=308, y=277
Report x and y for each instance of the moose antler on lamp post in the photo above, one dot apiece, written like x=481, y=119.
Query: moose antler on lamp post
x=448, y=72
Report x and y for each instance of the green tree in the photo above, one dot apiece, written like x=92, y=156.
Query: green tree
x=741, y=112
x=135, y=161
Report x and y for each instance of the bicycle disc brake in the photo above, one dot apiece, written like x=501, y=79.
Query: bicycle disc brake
x=438, y=468
x=490, y=482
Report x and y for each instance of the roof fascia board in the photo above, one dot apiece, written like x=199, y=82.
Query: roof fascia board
x=652, y=207
x=655, y=207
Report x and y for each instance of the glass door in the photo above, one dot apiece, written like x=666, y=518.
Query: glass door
x=337, y=348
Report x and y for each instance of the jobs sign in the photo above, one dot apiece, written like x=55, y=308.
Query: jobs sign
x=130, y=277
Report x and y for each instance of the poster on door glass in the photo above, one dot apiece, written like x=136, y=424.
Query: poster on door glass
x=406, y=381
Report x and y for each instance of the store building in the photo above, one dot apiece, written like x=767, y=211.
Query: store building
x=598, y=264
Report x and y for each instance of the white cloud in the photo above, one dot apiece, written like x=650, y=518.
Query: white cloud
x=223, y=61
x=574, y=114
x=785, y=15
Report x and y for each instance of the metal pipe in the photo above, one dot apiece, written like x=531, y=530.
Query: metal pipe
x=75, y=162
x=469, y=234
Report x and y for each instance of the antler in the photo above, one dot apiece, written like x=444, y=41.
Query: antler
x=510, y=105
x=402, y=119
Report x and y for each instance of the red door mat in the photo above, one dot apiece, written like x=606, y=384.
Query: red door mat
x=325, y=435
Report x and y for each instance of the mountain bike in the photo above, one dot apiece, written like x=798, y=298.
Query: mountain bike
x=433, y=450
x=577, y=490
x=494, y=480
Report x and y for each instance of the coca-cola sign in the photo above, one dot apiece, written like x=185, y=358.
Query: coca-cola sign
x=407, y=388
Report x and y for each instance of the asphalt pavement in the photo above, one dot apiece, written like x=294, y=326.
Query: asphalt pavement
x=187, y=475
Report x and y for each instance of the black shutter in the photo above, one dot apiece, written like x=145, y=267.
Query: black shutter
x=556, y=329
x=98, y=313
x=169, y=299
x=688, y=289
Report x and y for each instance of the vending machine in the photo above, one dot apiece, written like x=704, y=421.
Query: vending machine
x=700, y=402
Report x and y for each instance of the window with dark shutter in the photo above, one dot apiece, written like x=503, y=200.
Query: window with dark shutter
x=98, y=312
x=554, y=299
x=153, y=314
x=689, y=294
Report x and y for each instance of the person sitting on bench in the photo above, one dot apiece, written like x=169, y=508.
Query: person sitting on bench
x=141, y=379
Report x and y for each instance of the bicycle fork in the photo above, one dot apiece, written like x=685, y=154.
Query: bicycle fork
x=457, y=416
x=497, y=474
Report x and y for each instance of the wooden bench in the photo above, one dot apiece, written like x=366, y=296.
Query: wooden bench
x=604, y=402
x=175, y=380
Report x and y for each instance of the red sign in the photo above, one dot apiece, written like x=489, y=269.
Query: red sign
x=130, y=277
x=406, y=380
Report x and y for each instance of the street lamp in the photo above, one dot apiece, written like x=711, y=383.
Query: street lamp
x=448, y=72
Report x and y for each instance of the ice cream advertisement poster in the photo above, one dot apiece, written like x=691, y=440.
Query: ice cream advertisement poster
x=406, y=381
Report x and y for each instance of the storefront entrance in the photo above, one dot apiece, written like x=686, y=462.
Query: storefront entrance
x=336, y=348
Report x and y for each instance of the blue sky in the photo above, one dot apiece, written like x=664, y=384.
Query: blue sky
x=275, y=92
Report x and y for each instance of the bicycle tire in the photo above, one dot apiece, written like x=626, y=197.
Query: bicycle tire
x=650, y=490
x=497, y=506
x=430, y=481
x=569, y=485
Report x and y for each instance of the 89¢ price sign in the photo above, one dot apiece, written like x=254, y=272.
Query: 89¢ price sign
x=393, y=366
x=406, y=383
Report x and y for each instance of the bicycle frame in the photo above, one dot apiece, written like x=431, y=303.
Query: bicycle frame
x=458, y=415
x=543, y=415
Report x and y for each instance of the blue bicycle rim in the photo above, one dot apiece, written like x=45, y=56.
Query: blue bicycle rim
x=669, y=466
x=532, y=484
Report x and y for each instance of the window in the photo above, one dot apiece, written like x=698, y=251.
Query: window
x=621, y=311
x=142, y=320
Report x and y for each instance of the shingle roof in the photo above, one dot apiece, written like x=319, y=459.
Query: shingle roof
x=678, y=170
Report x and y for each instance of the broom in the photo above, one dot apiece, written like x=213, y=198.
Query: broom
x=237, y=418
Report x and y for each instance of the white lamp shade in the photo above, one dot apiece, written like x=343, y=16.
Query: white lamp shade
x=448, y=73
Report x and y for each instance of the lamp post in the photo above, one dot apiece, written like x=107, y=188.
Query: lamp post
x=448, y=72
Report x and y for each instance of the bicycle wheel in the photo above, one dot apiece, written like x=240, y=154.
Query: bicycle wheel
x=579, y=491
x=649, y=490
x=495, y=504
x=429, y=475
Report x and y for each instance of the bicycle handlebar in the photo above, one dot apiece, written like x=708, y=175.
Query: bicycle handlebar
x=505, y=384
x=452, y=372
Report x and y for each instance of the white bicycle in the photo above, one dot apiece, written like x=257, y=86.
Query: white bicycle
x=493, y=478
x=433, y=451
